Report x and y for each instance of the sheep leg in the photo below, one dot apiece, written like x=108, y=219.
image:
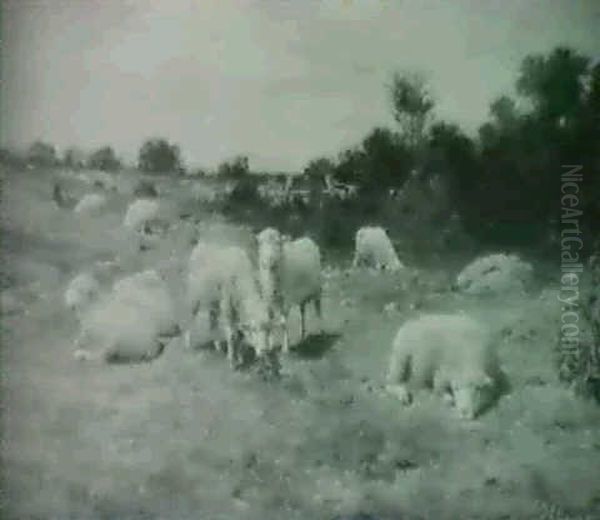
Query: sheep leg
x=319, y=313
x=398, y=374
x=442, y=388
x=286, y=338
x=231, y=354
x=213, y=319
x=302, y=321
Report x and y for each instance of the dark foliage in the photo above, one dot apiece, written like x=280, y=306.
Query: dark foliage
x=104, y=159
x=159, y=156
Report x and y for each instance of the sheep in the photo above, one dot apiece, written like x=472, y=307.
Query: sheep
x=90, y=204
x=148, y=290
x=494, y=274
x=81, y=292
x=221, y=281
x=453, y=354
x=132, y=322
x=85, y=288
x=141, y=213
x=289, y=275
x=374, y=249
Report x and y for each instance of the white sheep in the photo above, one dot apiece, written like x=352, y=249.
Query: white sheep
x=290, y=275
x=91, y=203
x=86, y=288
x=141, y=213
x=453, y=354
x=81, y=292
x=148, y=290
x=221, y=283
x=133, y=321
x=494, y=274
x=375, y=250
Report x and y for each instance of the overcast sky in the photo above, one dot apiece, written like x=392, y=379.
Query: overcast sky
x=280, y=80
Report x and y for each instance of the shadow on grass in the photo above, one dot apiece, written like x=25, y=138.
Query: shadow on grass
x=315, y=346
x=125, y=358
x=503, y=388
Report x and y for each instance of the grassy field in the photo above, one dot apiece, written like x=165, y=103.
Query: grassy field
x=185, y=437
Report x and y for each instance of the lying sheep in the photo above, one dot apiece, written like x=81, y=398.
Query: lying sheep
x=130, y=323
x=90, y=204
x=375, y=250
x=494, y=274
x=81, y=291
x=85, y=288
x=149, y=291
x=221, y=282
x=289, y=274
x=452, y=354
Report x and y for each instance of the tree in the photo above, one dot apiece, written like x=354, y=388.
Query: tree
x=387, y=159
x=159, y=156
x=42, y=154
x=504, y=112
x=236, y=168
x=453, y=155
x=351, y=166
x=554, y=84
x=104, y=159
x=319, y=169
x=412, y=105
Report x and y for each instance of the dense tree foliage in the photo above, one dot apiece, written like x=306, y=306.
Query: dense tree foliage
x=104, y=159
x=159, y=156
x=505, y=183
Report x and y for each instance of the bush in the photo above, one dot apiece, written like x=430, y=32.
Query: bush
x=42, y=155
x=234, y=169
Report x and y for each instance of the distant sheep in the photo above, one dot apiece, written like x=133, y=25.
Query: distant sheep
x=90, y=204
x=290, y=275
x=141, y=213
x=452, y=354
x=221, y=282
x=494, y=274
x=375, y=250
x=131, y=323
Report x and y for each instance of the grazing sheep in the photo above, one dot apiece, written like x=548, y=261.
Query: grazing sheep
x=494, y=274
x=90, y=204
x=221, y=281
x=131, y=323
x=375, y=250
x=289, y=274
x=452, y=354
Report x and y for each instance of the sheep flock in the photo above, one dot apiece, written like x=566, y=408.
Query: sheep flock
x=240, y=299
